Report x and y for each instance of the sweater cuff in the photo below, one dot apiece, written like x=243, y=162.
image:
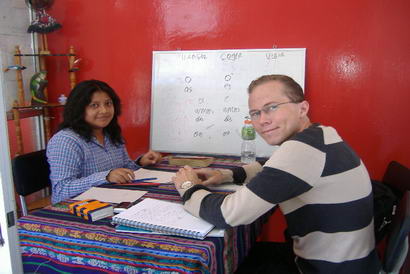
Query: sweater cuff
x=239, y=175
x=188, y=193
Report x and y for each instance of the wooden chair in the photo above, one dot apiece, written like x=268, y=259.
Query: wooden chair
x=31, y=174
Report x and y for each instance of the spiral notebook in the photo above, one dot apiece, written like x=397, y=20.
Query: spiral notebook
x=163, y=216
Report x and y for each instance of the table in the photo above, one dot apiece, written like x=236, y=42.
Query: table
x=54, y=241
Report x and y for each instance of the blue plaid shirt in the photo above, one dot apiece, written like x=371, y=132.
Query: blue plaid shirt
x=76, y=165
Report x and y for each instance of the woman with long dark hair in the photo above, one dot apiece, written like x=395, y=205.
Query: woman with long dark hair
x=88, y=150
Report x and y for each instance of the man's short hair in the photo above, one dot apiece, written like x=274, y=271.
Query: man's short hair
x=292, y=89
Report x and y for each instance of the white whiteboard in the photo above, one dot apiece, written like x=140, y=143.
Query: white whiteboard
x=199, y=98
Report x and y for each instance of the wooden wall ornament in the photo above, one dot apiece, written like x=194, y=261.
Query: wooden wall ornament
x=72, y=67
x=19, y=78
x=38, y=83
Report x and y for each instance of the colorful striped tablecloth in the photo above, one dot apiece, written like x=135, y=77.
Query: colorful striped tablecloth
x=54, y=241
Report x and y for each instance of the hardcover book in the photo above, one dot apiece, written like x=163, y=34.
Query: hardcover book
x=193, y=161
x=91, y=209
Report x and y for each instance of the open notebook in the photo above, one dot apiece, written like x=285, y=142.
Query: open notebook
x=163, y=216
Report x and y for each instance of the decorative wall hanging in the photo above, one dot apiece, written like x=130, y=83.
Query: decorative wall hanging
x=43, y=22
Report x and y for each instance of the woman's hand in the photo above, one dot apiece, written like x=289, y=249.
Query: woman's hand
x=120, y=175
x=150, y=158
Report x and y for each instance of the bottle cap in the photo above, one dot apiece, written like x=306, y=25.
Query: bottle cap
x=62, y=99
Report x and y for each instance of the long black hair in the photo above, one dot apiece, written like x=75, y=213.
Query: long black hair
x=79, y=99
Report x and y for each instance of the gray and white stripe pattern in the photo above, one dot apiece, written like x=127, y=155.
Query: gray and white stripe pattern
x=324, y=190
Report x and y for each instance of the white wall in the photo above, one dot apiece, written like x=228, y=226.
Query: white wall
x=14, y=21
x=9, y=252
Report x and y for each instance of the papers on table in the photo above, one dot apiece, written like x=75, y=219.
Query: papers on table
x=216, y=232
x=111, y=195
x=162, y=176
x=166, y=177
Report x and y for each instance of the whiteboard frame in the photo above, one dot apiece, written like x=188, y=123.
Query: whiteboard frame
x=153, y=81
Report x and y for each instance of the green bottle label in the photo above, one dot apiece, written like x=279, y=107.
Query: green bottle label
x=248, y=133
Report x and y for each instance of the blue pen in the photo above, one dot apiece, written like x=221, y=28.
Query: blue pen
x=143, y=179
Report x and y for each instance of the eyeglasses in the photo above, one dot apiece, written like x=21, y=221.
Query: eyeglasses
x=269, y=109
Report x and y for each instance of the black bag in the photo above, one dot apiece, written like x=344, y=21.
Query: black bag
x=384, y=206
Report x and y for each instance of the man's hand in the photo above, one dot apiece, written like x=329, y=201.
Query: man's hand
x=120, y=175
x=150, y=158
x=185, y=174
x=209, y=176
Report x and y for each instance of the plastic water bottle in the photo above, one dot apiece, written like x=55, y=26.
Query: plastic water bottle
x=248, y=148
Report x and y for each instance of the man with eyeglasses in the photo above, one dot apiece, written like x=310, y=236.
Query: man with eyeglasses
x=319, y=182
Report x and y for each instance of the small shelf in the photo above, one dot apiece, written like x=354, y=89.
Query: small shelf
x=51, y=105
x=25, y=113
x=20, y=110
x=30, y=111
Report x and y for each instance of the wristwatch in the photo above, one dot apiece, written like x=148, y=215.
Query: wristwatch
x=187, y=184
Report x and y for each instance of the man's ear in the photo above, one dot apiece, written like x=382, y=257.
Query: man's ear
x=303, y=108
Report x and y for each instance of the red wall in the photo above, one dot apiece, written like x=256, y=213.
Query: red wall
x=27, y=129
x=358, y=58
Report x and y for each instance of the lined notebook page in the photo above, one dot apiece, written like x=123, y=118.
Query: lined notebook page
x=163, y=216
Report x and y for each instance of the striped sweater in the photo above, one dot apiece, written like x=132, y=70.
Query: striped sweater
x=324, y=191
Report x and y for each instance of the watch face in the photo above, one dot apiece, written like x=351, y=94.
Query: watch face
x=186, y=184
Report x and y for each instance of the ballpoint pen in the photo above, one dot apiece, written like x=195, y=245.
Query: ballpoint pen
x=143, y=179
x=145, y=184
